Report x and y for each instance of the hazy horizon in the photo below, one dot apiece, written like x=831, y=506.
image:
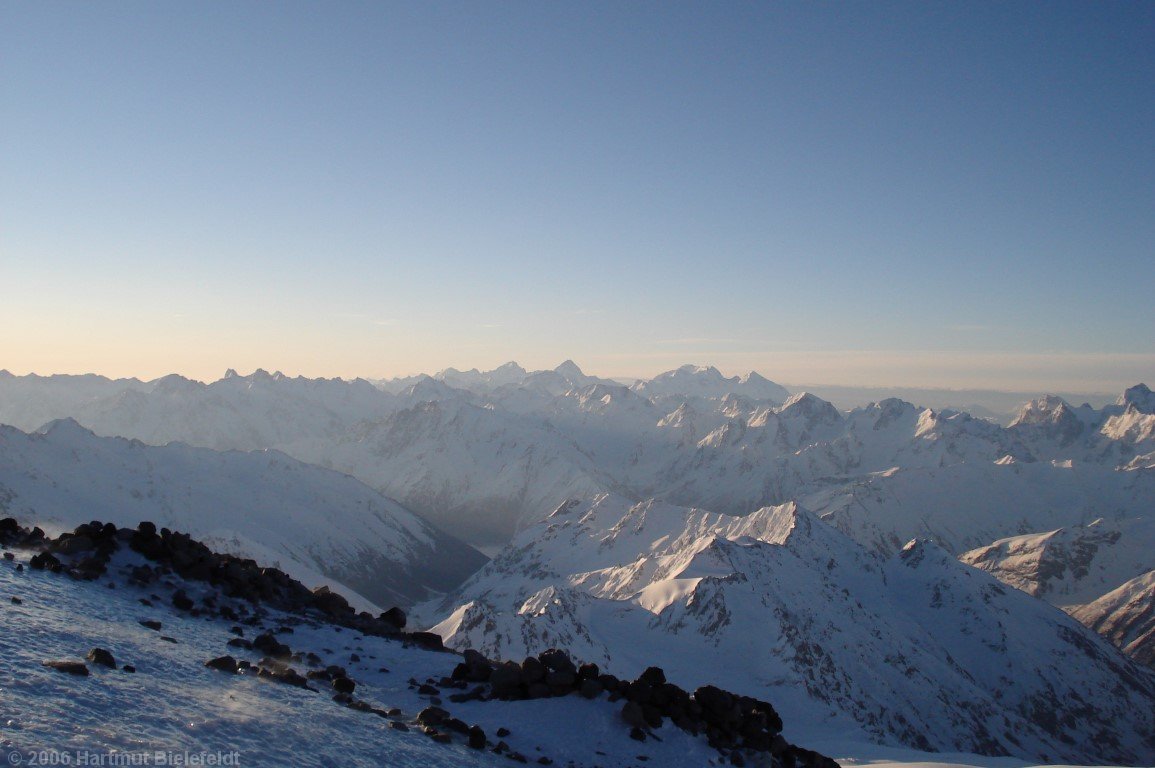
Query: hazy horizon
x=886, y=194
x=792, y=385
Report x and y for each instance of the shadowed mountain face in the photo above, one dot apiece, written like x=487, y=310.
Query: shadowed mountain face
x=317, y=524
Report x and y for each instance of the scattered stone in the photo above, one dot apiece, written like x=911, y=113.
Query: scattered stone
x=168, y=639
x=502, y=732
x=181, y=601
x=43, y=561
x=476, y=737
x=102, y=657
x=128, y=668
x=223, y=663
x=344, y=685
x=151, y=624
x=633, y=714
x=637, y=734
x=432, y=716
x=71, y=667
x=395, y=617
x=398, y=726
x=17, y=601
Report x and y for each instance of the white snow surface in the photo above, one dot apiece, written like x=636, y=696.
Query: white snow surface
x=173, y=703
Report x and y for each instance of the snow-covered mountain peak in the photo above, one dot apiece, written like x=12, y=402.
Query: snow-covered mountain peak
x=1048, y=409
x=571, y=371
x=811, y=408
x=708, y=382
x=65, y=430
x=1140, y=397
x=174, y=384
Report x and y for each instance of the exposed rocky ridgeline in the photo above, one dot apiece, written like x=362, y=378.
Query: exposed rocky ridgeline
x=215, y=587
x=1100, y=573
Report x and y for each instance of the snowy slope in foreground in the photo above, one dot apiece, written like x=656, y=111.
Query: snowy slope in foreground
x=918, y=649
x=172, y=704
x=264, y=504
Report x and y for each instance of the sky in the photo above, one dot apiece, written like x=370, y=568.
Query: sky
x=915, y=193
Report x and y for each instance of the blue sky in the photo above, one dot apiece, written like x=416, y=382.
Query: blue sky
x=932, y=194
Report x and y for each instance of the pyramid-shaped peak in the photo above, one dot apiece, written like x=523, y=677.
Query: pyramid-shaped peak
x=570, y=370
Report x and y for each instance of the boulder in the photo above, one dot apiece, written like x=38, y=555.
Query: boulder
x=223, y=663
x=102, y=657
x=71, y=667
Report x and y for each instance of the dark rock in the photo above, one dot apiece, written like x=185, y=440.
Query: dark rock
x=428, y=640
x=398, y=726
x=456, y=725
x=590, y=689
x=151, y=624
x=427, y=690
x=557, y=661
x=70, y=544
x=267, y=644
x=102, y=657
x=633, y=714
x=9, y=556
x=17, y=601
x=476, y=737
x=344, y=685
x=181, y=600
x=240, y=642
x=71, y=667
x=168, y=639
x=653, y=676
x=637, y=734
x=505, y=681
x=502, y=732
x=223, y=663
x=532, y=671
x=330, y=602
x=128, y=668
x=432, y=716
x=562, y=680
x=538, y=691
x=44, y=561
x=588, y=672
x=395, y=617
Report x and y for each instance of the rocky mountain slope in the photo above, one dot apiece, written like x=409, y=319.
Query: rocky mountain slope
x=1101, y=573
x=917, y=648
x=103, y=626
x=317, y=524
